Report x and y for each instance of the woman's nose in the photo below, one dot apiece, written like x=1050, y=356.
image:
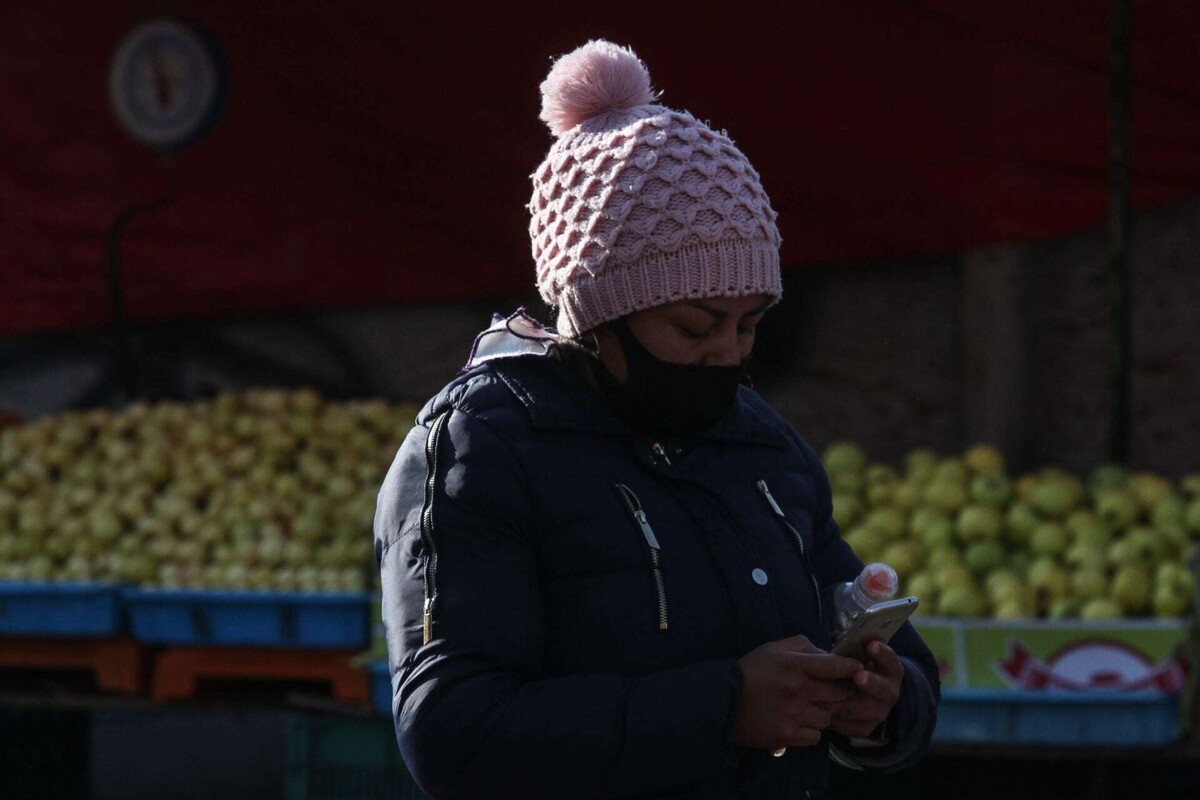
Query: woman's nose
x=726, y=350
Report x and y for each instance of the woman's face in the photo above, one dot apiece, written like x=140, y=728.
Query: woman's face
x=711, y=331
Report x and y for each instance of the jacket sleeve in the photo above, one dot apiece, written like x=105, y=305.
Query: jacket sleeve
x=909, y=728
x=474, y=715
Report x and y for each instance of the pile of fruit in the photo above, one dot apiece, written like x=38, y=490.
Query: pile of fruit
x=263, y=490
x=971, y=541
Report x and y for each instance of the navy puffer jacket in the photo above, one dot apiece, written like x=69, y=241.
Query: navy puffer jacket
x=565, y=600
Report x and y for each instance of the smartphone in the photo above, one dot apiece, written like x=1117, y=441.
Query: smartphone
x=878, y=622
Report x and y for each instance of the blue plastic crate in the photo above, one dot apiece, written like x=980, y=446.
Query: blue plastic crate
x=270, y=619
x=381, y=687
x=1091, y=719
x=59, y=609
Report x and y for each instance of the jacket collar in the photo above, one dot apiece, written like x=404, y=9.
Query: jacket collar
x=557, y=399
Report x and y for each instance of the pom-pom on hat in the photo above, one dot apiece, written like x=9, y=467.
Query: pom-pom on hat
x=637, y=205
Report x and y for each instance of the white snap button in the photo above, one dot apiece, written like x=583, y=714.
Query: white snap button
x=759, y=576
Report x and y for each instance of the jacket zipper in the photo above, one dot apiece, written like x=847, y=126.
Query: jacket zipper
x=635, y=508
x=431, y=452
x=766, y=493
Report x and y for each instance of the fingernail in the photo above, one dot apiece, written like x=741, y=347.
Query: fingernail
x=861, y=679
x=874, y=648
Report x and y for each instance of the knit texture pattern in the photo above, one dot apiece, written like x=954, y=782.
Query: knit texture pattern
x=639, y=207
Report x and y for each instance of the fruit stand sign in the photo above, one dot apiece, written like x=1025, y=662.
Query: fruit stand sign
x=945, y=641
x=1132, y=657
x=1075, y=656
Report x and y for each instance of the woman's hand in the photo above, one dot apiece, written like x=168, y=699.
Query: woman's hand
x=788, y=689
x=877, y=688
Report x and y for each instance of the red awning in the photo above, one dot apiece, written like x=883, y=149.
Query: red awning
x=380, y=153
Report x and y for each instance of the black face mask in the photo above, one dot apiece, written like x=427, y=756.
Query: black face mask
x=664, y=399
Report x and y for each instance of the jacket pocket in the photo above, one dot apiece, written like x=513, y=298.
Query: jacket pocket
x=631, y=501
x=428, y=539
x=777, y=511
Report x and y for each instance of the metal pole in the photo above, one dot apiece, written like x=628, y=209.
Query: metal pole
x=1120, y=38
x=126, y=366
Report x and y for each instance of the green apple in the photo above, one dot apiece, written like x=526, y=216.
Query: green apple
x=1088, y=584
x=984, y=459
x=847, y=509
x=1093, y=532
x=962, y=600
x=1001, y=576
x=887, y=520
x=1190, y=485
x=1131, y=588
x=947, y=495
x=923, y=586
x=990, y=489
x=904, y=557
x=952, y=575
x=1010, y=608
x=1176, y=576
x=1170, y=602
x=1048, y=579
x=1150, y=546
x=284, y=579
x=1124, y=553
x=1117, y=507
x=1086, y=556
x=951, y=469
x=1049, y=539
x=1056, y=497
x=919, y=464
x=1150, y=488
x=1063, y=608
x=881, y=483
x=906, y=495
x=938, y=533
x=847, y=482
x=1023, y=487
x=866, y=542
x=982, y=557
x=941, y=557
x=844, y=455
x=1100, y=608
x=1168, y=511
x=1175, y=538
x=1019, y=522
x=1191, y=516
x=104, y=526
x=979, y=523
x=923, y=516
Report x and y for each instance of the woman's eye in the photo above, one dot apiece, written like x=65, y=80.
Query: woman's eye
x=690, y=334
x=745, y=331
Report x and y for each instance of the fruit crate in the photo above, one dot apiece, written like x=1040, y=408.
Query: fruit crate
x=346, y=757
x=263, y=619
x=381, y=687
x=59, y=609
x=1089, y=719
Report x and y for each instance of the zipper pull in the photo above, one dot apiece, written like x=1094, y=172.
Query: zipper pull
x=647, y=531
x=766, y=492
x=427, y=621
x=660, y=452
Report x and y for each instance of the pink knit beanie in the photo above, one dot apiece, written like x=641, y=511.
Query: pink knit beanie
x=637, y=205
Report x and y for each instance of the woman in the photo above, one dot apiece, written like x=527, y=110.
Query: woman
x=602, y=556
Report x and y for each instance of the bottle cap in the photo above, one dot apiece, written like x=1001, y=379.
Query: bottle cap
x=879, y=582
